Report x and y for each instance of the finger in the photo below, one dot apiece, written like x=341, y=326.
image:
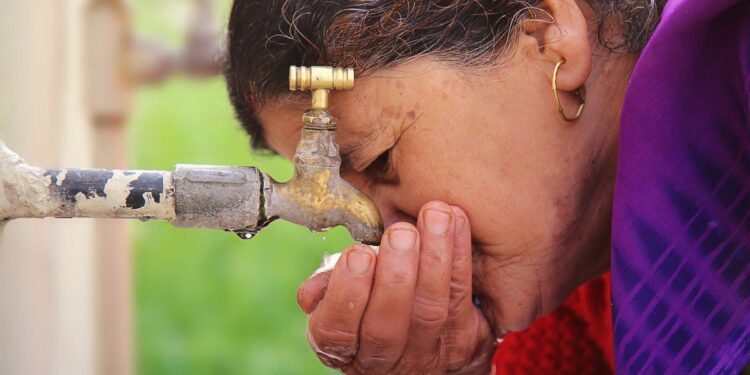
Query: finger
x=465, y=318
x=312, y=291
x=461, y=267
x=385, y=324
x=432, y=294
x=334, y=324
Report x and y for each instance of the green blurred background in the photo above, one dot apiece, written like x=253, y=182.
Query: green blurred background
x=207, y=302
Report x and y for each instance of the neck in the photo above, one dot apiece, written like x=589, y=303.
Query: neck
x=606, y=89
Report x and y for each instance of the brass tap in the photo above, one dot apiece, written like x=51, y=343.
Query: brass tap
x=239, y=199
x=316, y=196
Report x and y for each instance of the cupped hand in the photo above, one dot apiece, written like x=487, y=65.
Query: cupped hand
x=407, y=309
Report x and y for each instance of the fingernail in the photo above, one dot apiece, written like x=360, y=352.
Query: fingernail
x=402, y=239
x=460, y=223
x=358, y=261
x=437, y=221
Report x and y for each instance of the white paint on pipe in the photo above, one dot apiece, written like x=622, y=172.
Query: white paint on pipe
x=61, y=177
x=116, y=191
x=24, y=192
x=113, y=203
x=23, y=188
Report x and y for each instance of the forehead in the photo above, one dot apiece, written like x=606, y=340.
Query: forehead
x=282, y=123
x=376, y=109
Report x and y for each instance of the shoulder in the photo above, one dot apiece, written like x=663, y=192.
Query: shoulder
x=699, y=50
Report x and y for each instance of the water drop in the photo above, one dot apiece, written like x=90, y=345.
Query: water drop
x=245, y=235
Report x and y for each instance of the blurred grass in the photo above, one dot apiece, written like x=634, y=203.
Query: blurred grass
x=207, y=302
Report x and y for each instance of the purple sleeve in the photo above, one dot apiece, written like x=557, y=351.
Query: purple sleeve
x=681, y=221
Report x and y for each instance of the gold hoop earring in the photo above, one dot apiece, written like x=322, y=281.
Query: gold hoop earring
x=580, y=93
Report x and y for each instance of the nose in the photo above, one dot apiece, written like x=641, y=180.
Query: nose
x=392, y=215
x=382, y=197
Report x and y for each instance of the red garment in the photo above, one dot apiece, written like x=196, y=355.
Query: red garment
x=574, y=339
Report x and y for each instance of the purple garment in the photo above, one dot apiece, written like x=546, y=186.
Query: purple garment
x=681, y=224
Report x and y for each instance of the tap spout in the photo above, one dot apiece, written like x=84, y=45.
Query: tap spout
x=316, y=196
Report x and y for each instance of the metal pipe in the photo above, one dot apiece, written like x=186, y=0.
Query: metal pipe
x=238, y=199
x=110, y=193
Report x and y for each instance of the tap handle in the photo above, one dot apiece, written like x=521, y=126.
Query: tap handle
x=320, y=77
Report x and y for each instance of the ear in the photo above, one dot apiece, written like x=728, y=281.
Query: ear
x=561, y=32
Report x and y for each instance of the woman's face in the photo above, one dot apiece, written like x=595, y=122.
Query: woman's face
x=537, y=189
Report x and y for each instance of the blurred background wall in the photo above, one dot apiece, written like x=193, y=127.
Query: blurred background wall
x=118, y=84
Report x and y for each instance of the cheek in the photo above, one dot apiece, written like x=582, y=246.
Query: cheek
x=509, y=294
x=430, y=170
x=513, y=197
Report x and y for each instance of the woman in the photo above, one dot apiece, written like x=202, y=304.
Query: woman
x=498, y=192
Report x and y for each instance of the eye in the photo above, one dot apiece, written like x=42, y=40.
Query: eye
x=381, y=169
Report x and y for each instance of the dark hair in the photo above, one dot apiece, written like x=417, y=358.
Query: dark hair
x=266, y=36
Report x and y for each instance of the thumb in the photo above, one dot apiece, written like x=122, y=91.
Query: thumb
x=314, y=288
x=312, y=291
